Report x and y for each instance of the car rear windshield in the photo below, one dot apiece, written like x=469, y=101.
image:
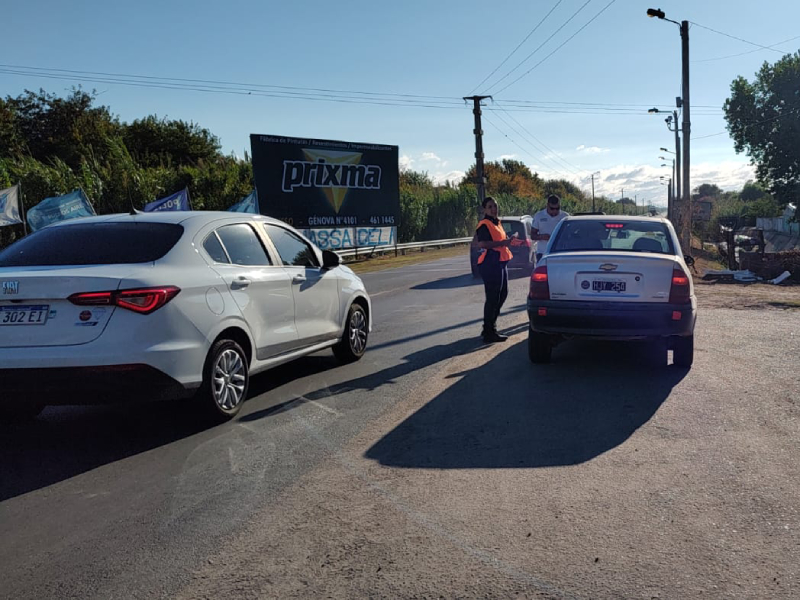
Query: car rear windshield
x=512, y=227
x=93, y=244
x=624, y=236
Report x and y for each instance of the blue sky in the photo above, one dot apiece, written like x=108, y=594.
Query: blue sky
x=618, y=66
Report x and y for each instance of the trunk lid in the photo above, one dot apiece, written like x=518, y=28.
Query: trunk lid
x=610, y=276
x=35, y=310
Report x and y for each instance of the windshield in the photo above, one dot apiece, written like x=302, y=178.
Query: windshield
x=624, y=236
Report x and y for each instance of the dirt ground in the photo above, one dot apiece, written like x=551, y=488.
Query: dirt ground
x=710, y=294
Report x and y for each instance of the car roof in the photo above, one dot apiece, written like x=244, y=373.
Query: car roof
x=197, y=218
x=616, y=218
x=522, y=218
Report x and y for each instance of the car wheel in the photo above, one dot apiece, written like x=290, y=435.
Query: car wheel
x=539, y=347
x=354, y=340
x=683, y=351
x=226, y=378
x=17, y=410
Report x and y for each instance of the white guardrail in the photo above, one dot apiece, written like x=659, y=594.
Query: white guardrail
x=372, y=250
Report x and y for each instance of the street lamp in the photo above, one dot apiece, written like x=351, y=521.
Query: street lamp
x=685, y=213
x=676, y=167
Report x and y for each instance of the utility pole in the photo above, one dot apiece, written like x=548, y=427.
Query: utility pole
x=676, y=194
x=480, y=179
x=686, y=196
x=593, y=209
x=635, y=203
x=621, y=198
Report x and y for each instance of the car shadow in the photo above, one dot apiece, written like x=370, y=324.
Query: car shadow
x=509, y=413
x=65, y=441
x=388, y=376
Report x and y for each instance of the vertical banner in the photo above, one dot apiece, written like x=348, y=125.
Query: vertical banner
x=59, y=208
x=177, y=201
x=350, y=190
x=10, y=213
x=248, y=204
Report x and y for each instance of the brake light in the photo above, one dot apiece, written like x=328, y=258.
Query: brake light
x=142, y=301
x=540, y=288
x=680, y=289
x=614, y=225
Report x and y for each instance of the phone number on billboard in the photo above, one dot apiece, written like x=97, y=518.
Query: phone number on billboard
x=389, y=220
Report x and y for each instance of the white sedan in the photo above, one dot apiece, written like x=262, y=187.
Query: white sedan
x=167, y=304
x=612, y=277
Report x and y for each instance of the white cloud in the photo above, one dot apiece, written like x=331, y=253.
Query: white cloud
x=406, y=162
x=591, y=149
x=506, y=157
x=430, y=156
x=440, y=177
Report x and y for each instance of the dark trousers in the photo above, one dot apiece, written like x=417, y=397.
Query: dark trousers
x=495, y=283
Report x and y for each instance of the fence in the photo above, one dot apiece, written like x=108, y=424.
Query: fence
x=778, y=224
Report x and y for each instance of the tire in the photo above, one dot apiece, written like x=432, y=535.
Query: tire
x=226, y=379
x=20, y=410
x=353, y=344
x=683, y=351
x=539, y=347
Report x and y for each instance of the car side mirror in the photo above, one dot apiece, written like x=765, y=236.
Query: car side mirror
x=689, y=260
x=330, y=260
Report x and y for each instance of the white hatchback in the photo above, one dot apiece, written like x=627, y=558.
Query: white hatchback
x=165, y=305
x=612, y=277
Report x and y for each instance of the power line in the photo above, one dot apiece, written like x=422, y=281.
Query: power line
x=524, y=60
x=558, y=48
x=574, y=168
x=772, y=47
x=513, y=141
x=543, y=153
x=736, y=38
x=211, y=84
x=530, y=33
x=227, y=83
x=786, y=114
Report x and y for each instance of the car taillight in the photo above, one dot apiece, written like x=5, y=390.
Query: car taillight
x=540, y=288
x=142, y=301
x=679, y=290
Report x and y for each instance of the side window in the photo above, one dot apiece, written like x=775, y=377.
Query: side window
x=294, y=252
x=215, y=249
x=242, y=245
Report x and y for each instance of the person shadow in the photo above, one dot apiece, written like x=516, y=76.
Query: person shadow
x=509, y=413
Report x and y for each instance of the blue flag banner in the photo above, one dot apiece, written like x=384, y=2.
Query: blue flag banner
x=177, y=201
x=248, y=204
x=9, y=206
x=59, y=208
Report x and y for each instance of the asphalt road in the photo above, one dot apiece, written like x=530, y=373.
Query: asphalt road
x=434, y=466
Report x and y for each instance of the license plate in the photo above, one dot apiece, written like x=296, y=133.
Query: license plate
x=601, y=285
x=24, y=314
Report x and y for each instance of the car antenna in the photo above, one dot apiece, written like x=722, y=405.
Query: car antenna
x=133, y=212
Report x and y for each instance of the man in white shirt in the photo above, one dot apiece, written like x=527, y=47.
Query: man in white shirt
x=544, y=222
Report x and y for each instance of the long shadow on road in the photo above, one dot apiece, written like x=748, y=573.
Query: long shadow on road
x=461, y=281
x=511, y=414
x=67, y=441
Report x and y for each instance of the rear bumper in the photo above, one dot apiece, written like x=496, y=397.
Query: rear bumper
x=91, y=385
x=611, y=320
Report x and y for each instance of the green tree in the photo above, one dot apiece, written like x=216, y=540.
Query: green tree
x=764, y=121
x=157, y=142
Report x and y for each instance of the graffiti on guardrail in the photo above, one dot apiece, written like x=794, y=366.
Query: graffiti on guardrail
x=350, y=237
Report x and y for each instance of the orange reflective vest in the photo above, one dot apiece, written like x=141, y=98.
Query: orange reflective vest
x=498, y=235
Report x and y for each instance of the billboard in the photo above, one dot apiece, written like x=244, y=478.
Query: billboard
x=327, y=184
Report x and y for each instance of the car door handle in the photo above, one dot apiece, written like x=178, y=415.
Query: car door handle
x=298, y=279
x=240, y=283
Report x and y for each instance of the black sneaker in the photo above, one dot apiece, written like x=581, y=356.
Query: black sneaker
x=493, y=336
